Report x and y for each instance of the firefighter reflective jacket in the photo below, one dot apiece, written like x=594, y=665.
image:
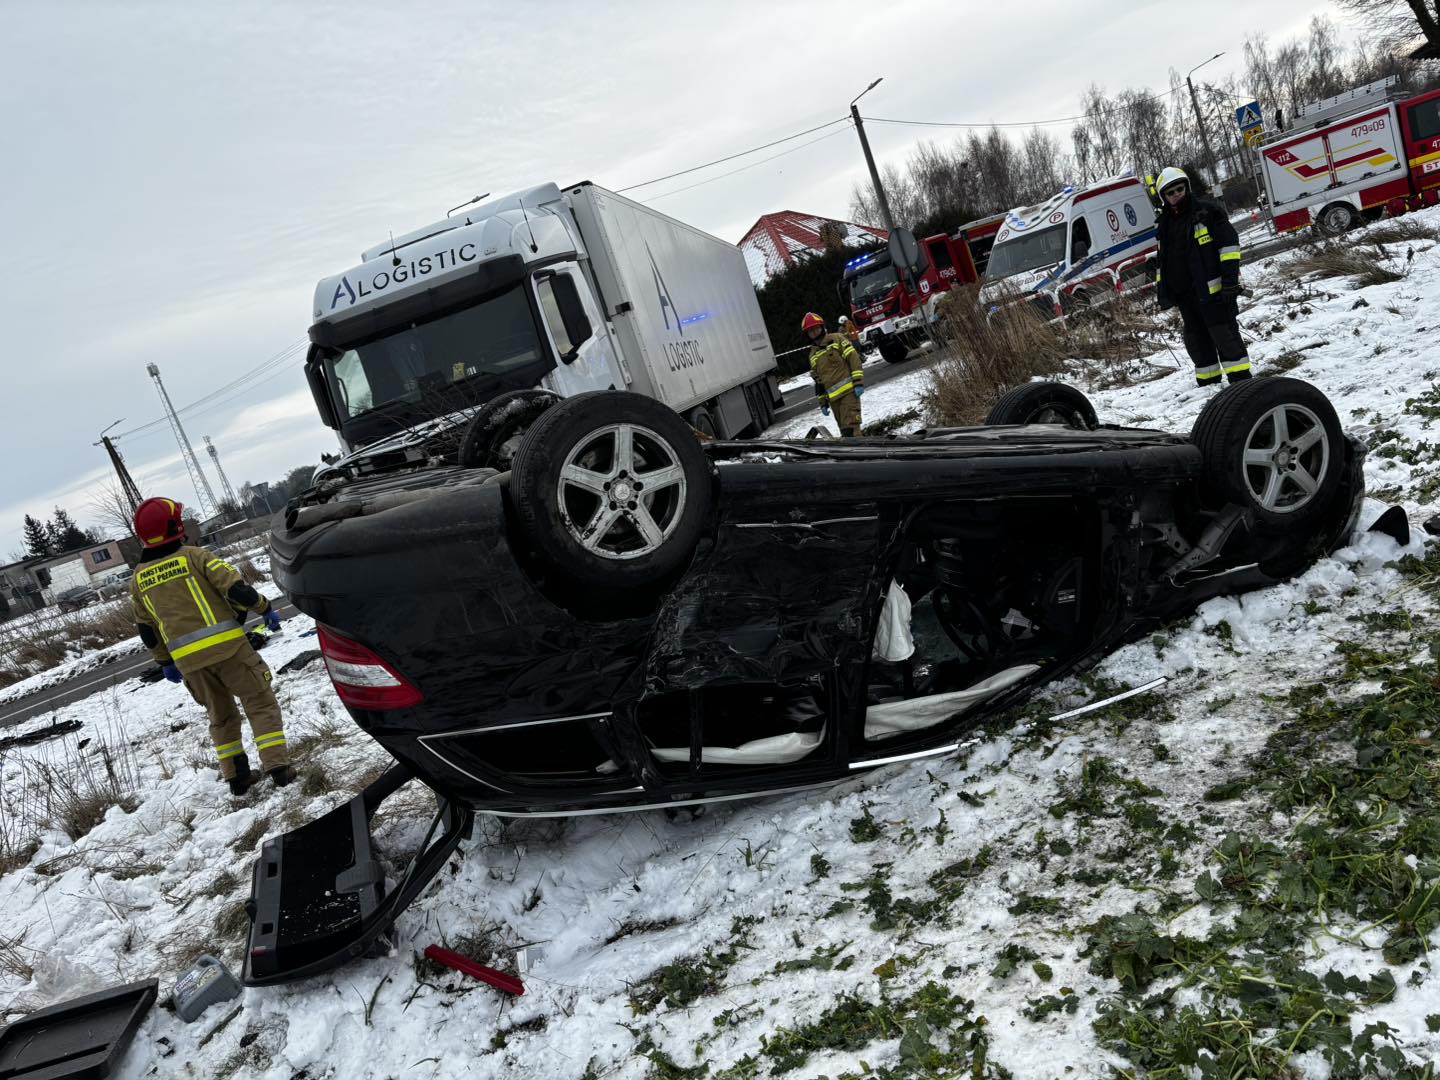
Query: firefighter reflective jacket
x=835, y=366
x=185, y=602
x=1199, y=253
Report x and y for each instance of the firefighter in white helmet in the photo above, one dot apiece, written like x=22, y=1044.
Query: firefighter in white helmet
x=1198, y=271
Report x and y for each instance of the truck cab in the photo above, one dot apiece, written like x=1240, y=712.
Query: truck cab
x=452, y=315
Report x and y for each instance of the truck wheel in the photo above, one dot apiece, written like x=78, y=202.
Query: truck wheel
x=1336, y=219
x=893, y=350
x=1044, y=403
x=612, y=489
x=497, y=427
x=1273, y=446
x=702, y=421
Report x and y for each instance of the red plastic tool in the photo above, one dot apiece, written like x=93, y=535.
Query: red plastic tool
x=466, y=966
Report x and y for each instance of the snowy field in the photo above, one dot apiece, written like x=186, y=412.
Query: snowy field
x=1049, y=902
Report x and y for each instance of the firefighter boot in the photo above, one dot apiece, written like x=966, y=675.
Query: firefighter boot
x=243, y=778
x=282, y=774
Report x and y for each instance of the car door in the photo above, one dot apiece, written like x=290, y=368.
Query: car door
x=590, y=364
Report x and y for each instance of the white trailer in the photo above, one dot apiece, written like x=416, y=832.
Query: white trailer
x=565, y=291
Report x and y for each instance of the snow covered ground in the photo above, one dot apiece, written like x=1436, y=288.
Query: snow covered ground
x=954, y=917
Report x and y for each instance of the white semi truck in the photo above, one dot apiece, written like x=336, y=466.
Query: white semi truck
x=541, y=294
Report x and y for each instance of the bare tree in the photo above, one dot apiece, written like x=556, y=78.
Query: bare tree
x=111, y=508
x=1397, y=23
x=1044, y=166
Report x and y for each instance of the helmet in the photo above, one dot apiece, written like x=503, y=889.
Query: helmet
x=843, y=320
x=157, y=522
x=1172, y=175
x=811, y=322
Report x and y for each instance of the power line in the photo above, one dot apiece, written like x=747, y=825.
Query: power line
x=236, y=384
x=1008, y=123
x=753, y=164
x=732, y=157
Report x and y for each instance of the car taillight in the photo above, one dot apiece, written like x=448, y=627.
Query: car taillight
x=361, y=678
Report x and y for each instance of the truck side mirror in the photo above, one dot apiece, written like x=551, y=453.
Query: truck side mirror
x=315, y=376
x=572, y=314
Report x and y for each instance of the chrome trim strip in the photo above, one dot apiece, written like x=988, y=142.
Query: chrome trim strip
x=653, y=806
x=802, y=524
x=904, y=757
x=1151, y=685
x=457, y=768
x=601, y=716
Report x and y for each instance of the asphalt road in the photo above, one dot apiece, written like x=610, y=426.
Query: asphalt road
x=91, y=682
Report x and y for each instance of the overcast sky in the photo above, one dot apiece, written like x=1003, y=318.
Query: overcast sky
x=179, y=175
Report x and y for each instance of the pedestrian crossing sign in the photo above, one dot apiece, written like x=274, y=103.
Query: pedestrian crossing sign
x=1248, y=116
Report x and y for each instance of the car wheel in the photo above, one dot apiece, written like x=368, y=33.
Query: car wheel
x=1273, y=446
x=1336, y=219
x=497, y=427
x=612, y=489
x=893, y=350
x=1044, y=403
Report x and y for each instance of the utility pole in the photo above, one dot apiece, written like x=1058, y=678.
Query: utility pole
x=1200, y=120
x=127, y=484
x=224, y=480
x=192, y=463
x=870, y=158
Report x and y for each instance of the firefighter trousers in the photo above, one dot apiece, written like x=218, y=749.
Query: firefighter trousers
x=847, y=415
x=216, y=687
x=1215, y=345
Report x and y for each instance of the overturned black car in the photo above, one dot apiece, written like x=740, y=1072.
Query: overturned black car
x=591, y=610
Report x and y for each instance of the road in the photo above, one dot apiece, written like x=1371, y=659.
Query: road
x=91, y=682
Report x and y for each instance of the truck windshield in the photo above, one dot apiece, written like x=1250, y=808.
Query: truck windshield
x=434, y=368
x=872, y=284
x=1026, y=251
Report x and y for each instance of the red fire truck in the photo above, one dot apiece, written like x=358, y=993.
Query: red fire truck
x=893, y=315
x=1354, y=157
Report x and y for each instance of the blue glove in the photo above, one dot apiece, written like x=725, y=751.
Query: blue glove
x=859, y=390
x=172, y=672
x=272, y=619
x=824, y=409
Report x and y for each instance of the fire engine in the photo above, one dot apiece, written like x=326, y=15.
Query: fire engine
x=893, y=314
x=1353, y=157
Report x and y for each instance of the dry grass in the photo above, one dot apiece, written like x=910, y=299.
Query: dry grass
x=1402, y=231
x=249, y=571
x=76, y=794
x=15, y=959
x=1362, y=265
x=250, y=839
x=983, y=353
x=44, y=642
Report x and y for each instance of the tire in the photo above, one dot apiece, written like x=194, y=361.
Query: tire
x=575, y=459
x=1336, y=218
x=495, y=431
x=1273, y=446
x=1044, y=403
x=893, y=350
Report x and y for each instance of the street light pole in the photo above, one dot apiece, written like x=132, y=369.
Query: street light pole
x=1200, y=120
x=870, y=158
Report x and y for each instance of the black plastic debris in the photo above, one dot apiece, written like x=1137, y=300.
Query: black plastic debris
x=1432, y=525
x=309, y=656
x=81, y=1039
x=40, y=734
x=1394, y=524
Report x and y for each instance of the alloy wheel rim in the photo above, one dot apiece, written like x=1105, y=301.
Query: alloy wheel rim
x=1286, y=458
x=621, y=491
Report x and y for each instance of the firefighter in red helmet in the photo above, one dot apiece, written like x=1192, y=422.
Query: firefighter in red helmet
x=183, y=598
x=835, y=366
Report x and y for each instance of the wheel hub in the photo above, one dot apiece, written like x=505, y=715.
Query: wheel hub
x=622, y=491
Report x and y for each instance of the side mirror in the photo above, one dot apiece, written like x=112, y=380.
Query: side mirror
x=319, y=389
x=572, y=314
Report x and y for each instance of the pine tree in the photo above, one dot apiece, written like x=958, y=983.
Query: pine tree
x=65, y=534
x=37, y=540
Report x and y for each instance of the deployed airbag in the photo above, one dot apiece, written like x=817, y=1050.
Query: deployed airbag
x=773, y=750
x=896, y=717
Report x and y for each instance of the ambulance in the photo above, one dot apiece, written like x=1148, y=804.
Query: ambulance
x=1078, y=247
